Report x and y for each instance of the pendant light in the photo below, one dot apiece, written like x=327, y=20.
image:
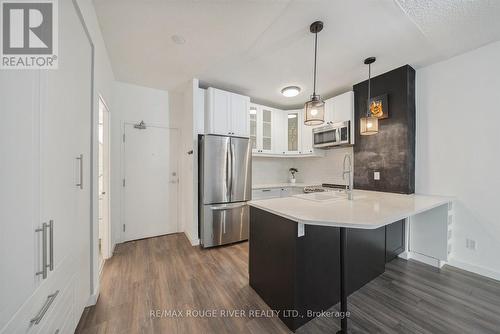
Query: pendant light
x=369, y=123
x=315, y=107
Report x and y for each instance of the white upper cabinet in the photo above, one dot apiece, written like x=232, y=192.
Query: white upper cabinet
x=267, y=123
x=238, y=114
x=252, y=126
x=217, y=119
x=226, y=113
x=273, y=132
x=280, y=132
x=306, y=136
x=340, y=108
x=293, y=131
x=262, y=123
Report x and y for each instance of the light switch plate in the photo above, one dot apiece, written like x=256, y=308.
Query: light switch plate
x=376, y=176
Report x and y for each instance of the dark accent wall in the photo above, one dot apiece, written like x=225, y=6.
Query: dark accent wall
x=392, y=151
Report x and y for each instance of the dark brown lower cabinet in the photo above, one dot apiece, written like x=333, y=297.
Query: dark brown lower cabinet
x=394, y=240
x=299, y=276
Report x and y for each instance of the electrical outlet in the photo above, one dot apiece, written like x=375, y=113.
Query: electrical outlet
x=376, y=176
x=470, y=244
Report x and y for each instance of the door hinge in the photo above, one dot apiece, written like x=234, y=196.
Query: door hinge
x=124, y=182
x=123, y=137
x=123, y=227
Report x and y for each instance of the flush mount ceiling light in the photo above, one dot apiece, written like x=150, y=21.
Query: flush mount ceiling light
x=369, y=123
x=290, y=91
x=315, y=107
x=178, y=39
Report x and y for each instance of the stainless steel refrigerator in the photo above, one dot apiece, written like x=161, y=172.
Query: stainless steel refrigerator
x=225, y=186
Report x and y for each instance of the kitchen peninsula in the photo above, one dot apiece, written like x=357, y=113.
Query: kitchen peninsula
x=296, y=244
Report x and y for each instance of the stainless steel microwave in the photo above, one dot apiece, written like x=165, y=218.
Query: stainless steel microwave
x=335, y=134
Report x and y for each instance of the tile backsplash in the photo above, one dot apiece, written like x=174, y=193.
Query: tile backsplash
x=326, y=169
x=270, y=170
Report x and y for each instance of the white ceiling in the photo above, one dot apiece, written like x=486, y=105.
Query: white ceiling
x=257, y=47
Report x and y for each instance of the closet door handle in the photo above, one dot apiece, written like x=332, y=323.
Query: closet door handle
x=50, y=299
x=80, y=183
x=43, y=229
x=51, y=245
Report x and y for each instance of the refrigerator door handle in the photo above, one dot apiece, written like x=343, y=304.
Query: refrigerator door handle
x=227, y=175
x=231, y=149
x=221, y=207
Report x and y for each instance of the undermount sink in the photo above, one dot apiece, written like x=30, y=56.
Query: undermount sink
x=326, y=196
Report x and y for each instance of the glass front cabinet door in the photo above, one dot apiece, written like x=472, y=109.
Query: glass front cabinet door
x=293, y=132
x=261, y=121
x=252, y=118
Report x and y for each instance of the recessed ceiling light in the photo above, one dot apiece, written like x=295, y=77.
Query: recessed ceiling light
x=178, y=39
x=290, y=91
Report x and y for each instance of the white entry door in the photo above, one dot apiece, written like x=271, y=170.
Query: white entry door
x=150, y=186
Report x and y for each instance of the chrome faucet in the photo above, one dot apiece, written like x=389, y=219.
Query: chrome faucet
x=347, y=166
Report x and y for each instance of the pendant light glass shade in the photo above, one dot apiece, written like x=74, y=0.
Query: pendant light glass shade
x=368, y=125
x=315, y=111
x=315, y=108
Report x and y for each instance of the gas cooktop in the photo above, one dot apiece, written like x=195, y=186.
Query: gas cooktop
x=324, y=187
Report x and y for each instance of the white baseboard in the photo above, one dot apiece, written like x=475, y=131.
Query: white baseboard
x=422, y=258
x=193, y=241
x=475, y=269
x=92, y=300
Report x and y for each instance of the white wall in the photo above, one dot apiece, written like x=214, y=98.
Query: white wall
x=190, y=101
x=312, y=171
x=103, y=82
x=133, y=103
x=458, y=117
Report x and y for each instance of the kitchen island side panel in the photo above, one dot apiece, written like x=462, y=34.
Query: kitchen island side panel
x=272, y=260
x=317, y=271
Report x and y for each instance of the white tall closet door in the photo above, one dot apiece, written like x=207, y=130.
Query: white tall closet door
x=45, y=125
x=65, y=135
x=19, y=189
x=79, y=50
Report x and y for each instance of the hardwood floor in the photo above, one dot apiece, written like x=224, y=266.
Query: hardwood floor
x=166, y=274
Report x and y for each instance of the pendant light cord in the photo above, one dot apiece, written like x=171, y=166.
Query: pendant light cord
x=315, y=56
x=369, y=89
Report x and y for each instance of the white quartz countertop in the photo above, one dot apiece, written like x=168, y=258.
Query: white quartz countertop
x=280, y=185
x=367, y=210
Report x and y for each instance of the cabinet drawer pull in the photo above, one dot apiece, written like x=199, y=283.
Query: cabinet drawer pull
x=265, y=190
x=50, y=299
